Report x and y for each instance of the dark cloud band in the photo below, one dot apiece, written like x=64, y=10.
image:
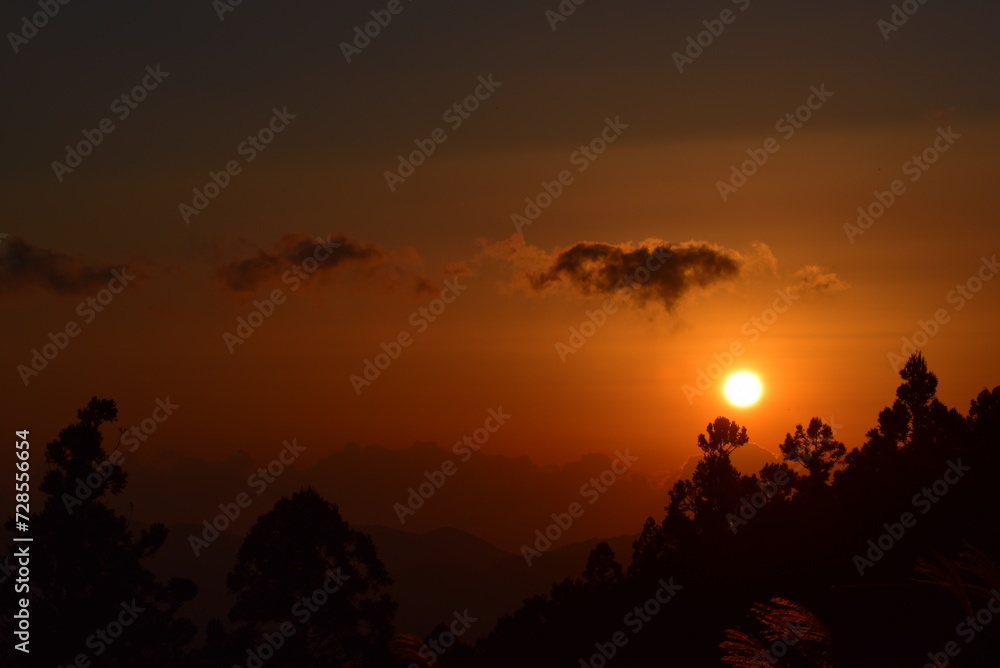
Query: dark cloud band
x=656, y=270
x=24, y=266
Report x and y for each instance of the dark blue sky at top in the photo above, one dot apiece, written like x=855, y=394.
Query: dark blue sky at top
x=226, y=75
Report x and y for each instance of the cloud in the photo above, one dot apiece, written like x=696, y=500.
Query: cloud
x=813, y=281
x=354, y=260
x=24, y=266
x=657, y=271
x=762, y=261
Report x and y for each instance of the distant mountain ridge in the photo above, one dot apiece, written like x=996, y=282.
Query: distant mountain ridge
x=434, y=573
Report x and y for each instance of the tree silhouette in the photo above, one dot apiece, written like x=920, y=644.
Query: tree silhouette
x=799, y=542
x=796, y=553
x=650, y=548
x=711, y=492
x=917, y=392
x=298, y=552
x=89, y=571
x=984, y=412
x=933, y=427
x=913, y=437
x=984, y=424
x=716, y=486
x=601, y=566
x=723, y=437
x=814, y=448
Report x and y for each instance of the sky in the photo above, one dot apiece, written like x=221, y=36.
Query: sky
x=632, y=142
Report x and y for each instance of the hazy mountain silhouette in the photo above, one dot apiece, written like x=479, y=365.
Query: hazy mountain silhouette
x=434, y=574
x=879, y=555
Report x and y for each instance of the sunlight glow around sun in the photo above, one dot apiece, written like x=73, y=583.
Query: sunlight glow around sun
x=743, y=388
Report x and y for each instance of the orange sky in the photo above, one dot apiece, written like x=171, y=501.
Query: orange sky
x=495, y=345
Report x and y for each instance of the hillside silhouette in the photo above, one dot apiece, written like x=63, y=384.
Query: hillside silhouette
x=874, y=556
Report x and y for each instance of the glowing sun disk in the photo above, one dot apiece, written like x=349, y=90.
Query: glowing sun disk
x=743, y=388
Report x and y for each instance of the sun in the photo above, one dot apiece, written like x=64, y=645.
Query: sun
x=743, y=388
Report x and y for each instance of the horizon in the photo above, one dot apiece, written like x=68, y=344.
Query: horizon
x=545, y=274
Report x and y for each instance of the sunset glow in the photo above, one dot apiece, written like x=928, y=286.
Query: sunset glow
x=523, y=311
x=743, y=388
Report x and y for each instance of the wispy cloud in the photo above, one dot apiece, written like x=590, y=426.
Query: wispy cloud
x=24, y=266
x=596, y=268
x=814, y=281
x=350, y=260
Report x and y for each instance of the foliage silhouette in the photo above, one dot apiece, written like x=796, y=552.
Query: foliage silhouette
x=602, y=567
x=815, y=448
x=88, y=574
x=796, y=550
x=286, y=559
